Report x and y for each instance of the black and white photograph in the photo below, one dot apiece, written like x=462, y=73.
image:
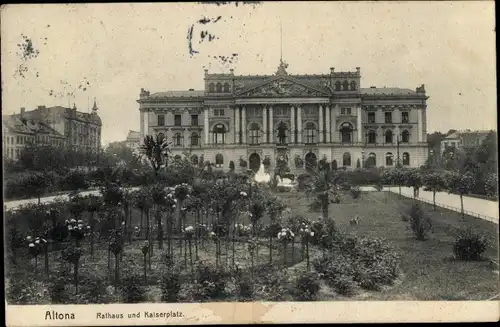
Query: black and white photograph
x=275, y=157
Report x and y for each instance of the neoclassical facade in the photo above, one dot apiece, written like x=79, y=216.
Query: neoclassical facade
x=298, y=118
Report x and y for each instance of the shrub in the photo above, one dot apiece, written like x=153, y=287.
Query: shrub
x=367, y=262
x=283, y=189
x=211, y=282
x=131, y=290
x=170, y=286
x=420, y=222
x=307, y=286
x=469, y=245
x=57, y=290
x=355, y=192
x=273, y=282
x=231, y=165
x=245, y=287
x=20, y=292
x=303, y=180
x=92, y=290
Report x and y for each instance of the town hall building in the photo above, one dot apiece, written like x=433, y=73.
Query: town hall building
x=301, y=119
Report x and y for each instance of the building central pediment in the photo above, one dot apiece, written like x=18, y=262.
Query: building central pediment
x=280, y=86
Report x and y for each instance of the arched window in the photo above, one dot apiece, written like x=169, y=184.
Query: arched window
x=406, y=159
x=353, y=86
x=219, y=132
x=219, y=160
x=219, y=87
x=346, y=133
x=194, y=139
x=405, y=137
x=254, y=133
x=345, y=86
x=372, y=137
x=178, y=139
x=371, y=161
x=338, y=86
x=346, y=159
x=310, y=133
x=389, y=159
x=194, y=159
x=211, y=88
x=388, y=136
x=226, y=87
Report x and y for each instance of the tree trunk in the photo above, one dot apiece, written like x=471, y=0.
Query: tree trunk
x=197, y=233
x=145, y=269
x=434, y=199
x=109, y=262
x=117, y=270
x=270, y=250
x=462, y=206
x=92, y=227
x=191, y=260
x=76, y=276
x=46, y=254
x=185, y=252
x=141, y=224
x=307, y=253
x=284, y=254
x=399, y=191
x=324, y=206
x=293, y=250
x=160, y=229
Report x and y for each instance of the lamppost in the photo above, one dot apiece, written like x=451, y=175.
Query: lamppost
x=431, y=161
x=398, y=164
x=362, y=159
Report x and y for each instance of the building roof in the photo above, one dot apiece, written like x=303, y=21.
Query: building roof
x=133, y=135
x=386, y=91
x=17, y=124
x=178, y=94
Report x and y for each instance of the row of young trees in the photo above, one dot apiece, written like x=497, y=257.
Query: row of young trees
x=437, y=181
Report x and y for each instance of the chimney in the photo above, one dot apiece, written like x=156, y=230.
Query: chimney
x=206, y=72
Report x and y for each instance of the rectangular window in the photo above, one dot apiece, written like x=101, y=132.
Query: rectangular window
x=221, y=112
x=345, y=111
x=194, y=120
x=405, y=117
x=161, y=120
x=388, y=117
x=177, y=120
x=371, y=118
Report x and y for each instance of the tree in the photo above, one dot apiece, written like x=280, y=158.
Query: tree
x=491, y=185
x=36, y=184
x=461, y=184
x=435, y=182
x=334, y=165
x=157, y=151
x=358, y=164
x=413, y=178
x=324, y=188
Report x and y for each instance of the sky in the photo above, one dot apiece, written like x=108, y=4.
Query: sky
x=110, y=51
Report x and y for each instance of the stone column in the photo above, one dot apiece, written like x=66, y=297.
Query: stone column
x=334, y=123
x=236, y=125
x=360, y=131
x=142, y=128
x=299, y=124
x=321, y=124
x=419, y=124
x=205, y=125
x=244, y=124
x=271, y=125
x=292, y=124
x=146, y=122
x=264, y=124
x=327, y=123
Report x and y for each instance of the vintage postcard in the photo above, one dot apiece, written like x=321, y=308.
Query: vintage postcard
x=249, y=162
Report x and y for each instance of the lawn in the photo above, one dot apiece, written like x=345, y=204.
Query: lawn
x=429, y=270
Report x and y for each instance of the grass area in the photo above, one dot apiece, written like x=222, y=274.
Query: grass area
x=430, y=272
